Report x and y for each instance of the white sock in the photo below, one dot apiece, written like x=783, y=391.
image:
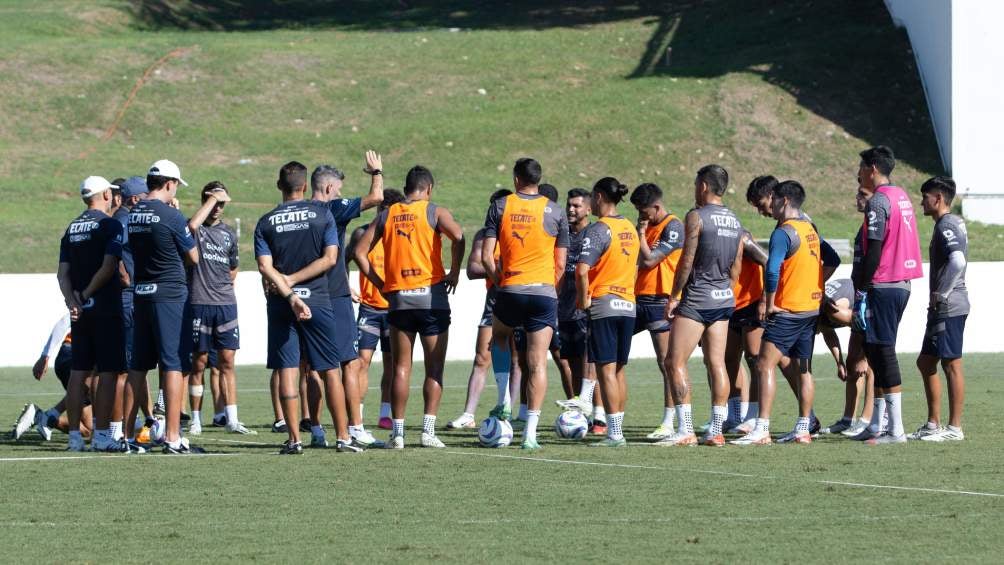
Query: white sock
x=197, y=416
x=878, y=414
x=744, y=410
x=894, y=405
x=668, y=415
x=615, y=430
x=762, y=425
x=314, y=430
x=685, y=419
x=501, y=366
x=599, y=414
x=384, y=410
x=718, y=415
x=802, y=425
x=522, y=412
x=586, y=393
x=360, y=411
x=115, y=429
x=397, y=427
x=429, y=424
x=530, y=432
x=231, y=411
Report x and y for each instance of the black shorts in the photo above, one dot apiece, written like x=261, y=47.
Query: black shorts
x=63, y=364
x=610, y=339
x=943, y=338
x=345, y=340
x=574, y=338
x=98, y=344
x=706, y=317
x=158, y=333
x=373, y=329
x=651, y=316
x=214, y=327
x=487, y=315
x=747, y=317
x=794, y=337
x=519, y=338
x=286, y=335
x=885, y=310
x=422, y=322
x=532, y=312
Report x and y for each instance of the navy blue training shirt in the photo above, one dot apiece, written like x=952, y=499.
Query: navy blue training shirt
x=159, y=238
x=86, y=242
x=122, y=216
x=295, y=234
x=344, y=210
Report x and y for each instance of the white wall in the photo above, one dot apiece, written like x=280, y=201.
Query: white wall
x=31, y=304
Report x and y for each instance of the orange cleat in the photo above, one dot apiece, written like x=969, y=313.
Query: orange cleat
x=713, y=441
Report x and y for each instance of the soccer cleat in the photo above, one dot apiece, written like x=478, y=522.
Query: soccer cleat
x=730, y=426
x=529, y=445
x=887, y=439
x=395, y=442
x=195, y=428
x=305, y=425
x=661, y=432
x=837, y=427
x=134, y=447
x=803, y=438
x=925, y=430
x=42, y=425
x=182, y=448
x=610, y=443
x=575, y=403
x=348, y=446
x=678, y=440
x=279, y=427
x=158, y=409
x=219, y=422
x=291, y=448
x=866, y=434
x=947, y=434
x=239, y=428
x=385, y=423
x=753, y=438
x=502, y=412
x=746, y=427
x=713, y=441
x=362, y=437
x=111, y=446
x=855, y=429
x=815, y=426
x=788, y=437
x=464, y=421
x=430, y=440
x=599, y=428
x=318, y=440
x=76, y=444
x=24, y=421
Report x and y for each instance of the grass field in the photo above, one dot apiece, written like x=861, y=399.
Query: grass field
x=462, y=87
x=832, y=501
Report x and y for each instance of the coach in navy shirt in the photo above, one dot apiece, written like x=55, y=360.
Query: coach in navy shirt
x=132, y=191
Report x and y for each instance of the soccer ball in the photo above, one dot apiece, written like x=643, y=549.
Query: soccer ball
x=571, y=424
x=494, y=432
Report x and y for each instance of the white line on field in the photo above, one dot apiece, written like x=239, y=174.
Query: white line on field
x=916, y=489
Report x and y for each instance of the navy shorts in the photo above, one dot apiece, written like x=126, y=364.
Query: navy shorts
x=214, y=327
x=158, y=333
x=794, y=337
x=373, y=328
x=610, y=339
x=943, y=338
x=747, y=317
x=63, y=364
x=651, y=317
x=422, y=322
x=286, y=333
x=487, y=315
x=532, y=312
x=98, y=344
x=519, y=338
x=345, y=317
x=574, y=338
x=706, y=317
x=885, y=310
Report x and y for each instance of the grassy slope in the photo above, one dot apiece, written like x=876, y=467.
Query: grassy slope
x=424, y=506
x=785, y=94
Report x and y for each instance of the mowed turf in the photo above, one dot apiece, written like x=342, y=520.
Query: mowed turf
x=835, y=500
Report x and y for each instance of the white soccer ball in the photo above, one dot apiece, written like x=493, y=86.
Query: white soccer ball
x=571, y=424
x=494, y=432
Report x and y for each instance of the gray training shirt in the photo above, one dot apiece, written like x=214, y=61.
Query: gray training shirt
x=566, y=294
x=710, y=284
x=596, y=241
x=948, y=274
x=209, y=280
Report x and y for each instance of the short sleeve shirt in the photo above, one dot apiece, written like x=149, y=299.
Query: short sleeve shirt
x=87, y=240
x=159, y=238
x=295, y=234
x=877, y=214
x=343, y=210
x=210, y=281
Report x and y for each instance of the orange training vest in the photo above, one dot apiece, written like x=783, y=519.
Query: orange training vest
x=368, y=294
x=658, y=280
x=526, y=249
x=412, y=248
x=615, y=272
x=749, y=285
x=800, y=288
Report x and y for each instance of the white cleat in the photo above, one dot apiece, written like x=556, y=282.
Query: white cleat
x=364, y=439
x=950, y=433
x=464, y=421
x=788, y=437
x=395, y=442
x=753, y=438
x=840, y=426
x=746, y=427
x=575, y=403
x=855, y=429
x=430, y=440
x=239, y=428
x=926, y=430
x=887, y=439
x=42, y=425
x=25, y=420
x=195, y=428
x=662, y=432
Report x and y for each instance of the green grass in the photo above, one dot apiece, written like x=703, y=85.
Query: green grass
x=582, y=86
x=466, y=504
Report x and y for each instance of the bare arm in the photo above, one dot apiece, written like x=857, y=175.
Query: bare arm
x=196, y=221
x=833, y=344
x=754, y=252
x=350, y=248
x=233, y=274
x=737, y=265
x=475, y=270
x=66, y=288
x=488, y=259
x=278, y=282
x=364, y=245
x=191, y=256
x=560, y=260
x=373, y=163
x=686, y=264
x=452, y=230
x=582, y=298
x=316, y=268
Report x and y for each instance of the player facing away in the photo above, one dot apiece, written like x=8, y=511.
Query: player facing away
x=661, y=244
x=417, y=288
x=605, y=287
x=295, y=245
x=702, y=302
x=532, y=234
x=946, y=312
x=793, y=290
x=89, y=256
x=891, y=260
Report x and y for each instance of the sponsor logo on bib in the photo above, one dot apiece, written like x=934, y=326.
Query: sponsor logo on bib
x=146, y=288
x=718, y=294
x=302, y=292
x=623, y=305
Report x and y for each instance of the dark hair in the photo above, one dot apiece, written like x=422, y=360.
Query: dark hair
x=212, y=186
x=716, y=177
x=419, y=178
x=791, y=190
x=942, y=184
x=880, y=157
x=391, y=197
x=156, y=182
x=549, y=191
x=579, y=193
x=527, y=170
x=760, y=187
x=292, y=176
x=500, y=193
x=321, y=175
x=119, y=181
x=646, y=194
x=611, y=188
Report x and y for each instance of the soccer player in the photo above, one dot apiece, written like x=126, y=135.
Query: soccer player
x=532, y=234
x=214, y=306
x=661, y=244
x=605, y=287
x=793, y=289
x=892, y=259
x=702, y=302
x=836, y=311
x=417, y=289
x=745, y=337
x=89, y=256
x=296, y=244
x=946, y=313
x=372, y=325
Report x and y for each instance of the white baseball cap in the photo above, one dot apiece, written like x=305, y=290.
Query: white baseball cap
x=167, y=169
x=94, y=185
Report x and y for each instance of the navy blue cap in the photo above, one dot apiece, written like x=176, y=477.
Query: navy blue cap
x=134, y=186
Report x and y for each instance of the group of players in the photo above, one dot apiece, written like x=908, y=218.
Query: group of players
x=555, y=283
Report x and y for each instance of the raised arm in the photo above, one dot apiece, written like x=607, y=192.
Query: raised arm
x=374, y=167
x=199, y=218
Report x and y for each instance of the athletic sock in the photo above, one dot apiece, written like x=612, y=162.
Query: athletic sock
x=718, y=415
x=753, y=411
x=668, y=415
x=615, y=430
x=894, y=405
x=522, y=412
x=802, y=425
x=231, y=411
x=75, y=435
x=685, y=417
x=501, y=365
x=530, y=432
x=314, y=430
x=429, y=424
x=762, y=426
x=466, y=416
x=51, y=417
x=397, y=427
x=384, y=410
x=735, y=410
x=100, y=437
x=586, y=393
x=115, y=429
x=360, y=413
x=744, y=410
x=599, y=414
x=878, y=413
x=197, y=416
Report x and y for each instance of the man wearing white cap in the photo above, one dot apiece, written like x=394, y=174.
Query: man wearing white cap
x=89, y=256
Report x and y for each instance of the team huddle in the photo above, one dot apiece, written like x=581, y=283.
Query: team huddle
x=147, y=288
